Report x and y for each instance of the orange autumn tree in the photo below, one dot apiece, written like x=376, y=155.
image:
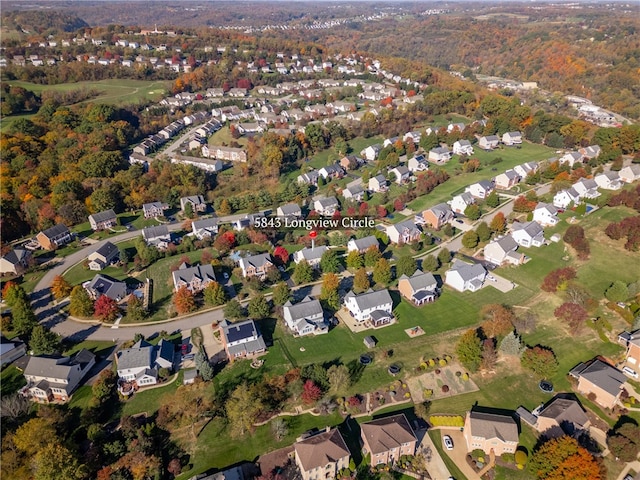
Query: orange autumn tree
x=564, y=459
x=60, y=288
x=184, y=301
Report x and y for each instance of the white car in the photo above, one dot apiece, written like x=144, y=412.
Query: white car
x=448, y=443
x=629, y=371
x=492, y=278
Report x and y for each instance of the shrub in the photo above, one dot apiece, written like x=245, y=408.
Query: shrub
x=423, y=366
x=465, y=377
x=432, y=362
x=427, y=392
x=445, y=388
x=458, y=373
x=443, y=362
x=520, y=458
x=446, y=421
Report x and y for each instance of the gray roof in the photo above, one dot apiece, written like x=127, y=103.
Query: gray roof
x=400, y=227
x=601, y=374
x=203, y=272
x=257, y=261
x=548, y=207
x=420, y=280
x=588, y=183
x=386, y=433
x=56, y=230
x=308, y=307
x=365, y=242
x=439, y=150
x=17, y=255
x=506, y=243
x=514, y=134
x=155, y=232
x=441, y=210
x=380, y=179
x=207, y=223
x=328, y=202
x=402, y=170
x=371, y=299
x=491, y=425
x=58, y=368
x=355, y=190
x=107, y=250
x=105, y=285
x=141, y=354
x=486, y=184
x=565, y=410
x=533, y=229
x=194, y=199
x=289, y=209
x=467, y=271
x=466, y=198
x=511, y=174
x=464, y=143
x=491, y=138
x=103, y=216
x=311, y=253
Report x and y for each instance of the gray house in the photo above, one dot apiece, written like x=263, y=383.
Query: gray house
x=419, y=288
x=305, y=317
x=102, y=220
x=141, y=362
x=105, y=285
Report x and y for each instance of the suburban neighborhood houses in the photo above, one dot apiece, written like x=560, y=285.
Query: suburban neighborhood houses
x=291, y=261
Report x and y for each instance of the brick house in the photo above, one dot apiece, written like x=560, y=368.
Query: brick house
x=387, y=439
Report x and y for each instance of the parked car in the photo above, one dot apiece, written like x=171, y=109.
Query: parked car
x=629, y=371
x=448, y=443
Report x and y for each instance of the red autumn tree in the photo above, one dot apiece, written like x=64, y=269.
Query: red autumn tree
x=522, y=205
x=184, y=300
x=558, y=279
x=572, y=314
x=281, y=255
x=106, y=309
x=563, y=459
x=540, y=360
x=311, y=393
x=363, y=208
x=225, y=241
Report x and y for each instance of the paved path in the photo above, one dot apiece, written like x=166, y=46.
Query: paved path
x=436, y=467
x=459, y=453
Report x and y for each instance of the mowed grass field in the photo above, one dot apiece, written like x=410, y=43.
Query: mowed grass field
x=111, y=91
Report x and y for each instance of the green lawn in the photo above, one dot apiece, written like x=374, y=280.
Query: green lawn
x=150, y=400
x=79, y=274
x=223, y=137
x=97, y=347
x=456, y=184
x=11, y=380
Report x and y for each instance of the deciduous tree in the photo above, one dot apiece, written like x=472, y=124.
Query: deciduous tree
x=184, y=300
x=80, y=304
x=564, y=459
x=106, y=308
x=540, y=360
x=430, y=263
x=329, y=291
x=311, y=392
x=354, y=259
x=339, y=378
x=303, y=273
x=371, y=256
x=498, y=223
x=44, y=342
x=243, y=408
x=329, y=262
x=214, y=294
x=60, y=288
x=233, y=309
x=382, y=274
x=361, y=281
x=572, y=314
x=258, y=307
x=405, y=265
x=470, y=239
x=281, y=294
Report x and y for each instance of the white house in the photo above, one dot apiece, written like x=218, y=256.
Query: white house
x=564, y=198
x=331, y=171
x=378, y=184
x=608, y=181
x=439, y=155
x=546, y=215
x=401, y=174
x=326, y=206
x=291, y=210
x=481, y=189
x=527, y=234
x=512, y=138
x=488, y=142
x=463, y=276
x=586, y=188
x=361, y=245
x=371, y=152
x=503, y=251
x=403, y=232
x=462, y=147
x=507, y=179
x=570, y=158
x=372, y=306
x=158, y=236
x=526, y=168
x=354, y=192
x=204, y=228
x=459, y=203
x=141, y=362
x=590, y=152
x=631, y=173
x=305, y=317
x=418, y=164
x=311, y=255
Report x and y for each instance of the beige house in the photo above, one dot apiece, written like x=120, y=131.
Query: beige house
x=386, y=439
x=633, y=351
x=322, y=456
x=419, y=288
x=256, y=265
x=491, y=431
x=562, y=416
x=599, y=381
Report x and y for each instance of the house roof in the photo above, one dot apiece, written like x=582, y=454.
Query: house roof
x=103, y=216
x=188, y=274
x=105, y=285
x=327, y=202
x=463, y=143
x=321, y=449
x=465, y=197
x=405, y=225
x=386, y=433
x=602, y=375
x=548, y=207
x=56, y=230
x=234, y=332
x=207, y=223
x=401, y=169
x=152, y=205
x=514, y=134
x=380, y=179
x=441, y=210
x=492, y=425
x=439, y=150
x=257, y=261
x=155, y=232
x=467, y=271
x=533, y=229
x=491, y=138
x=565, y=410
x=140, y=355
x=308, y=307
x=49, y=367
x=311, y=253
x=194, y=199
x=506, y=243
x=107, y=250
x=17, y=255
x=289, y=209
x=371, y=299
x=354, y=190
x=420, y=280
x=365, y=242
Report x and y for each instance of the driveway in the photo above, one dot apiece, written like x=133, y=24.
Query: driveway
x=459, y=453
x=499, y=283
x=436, y=466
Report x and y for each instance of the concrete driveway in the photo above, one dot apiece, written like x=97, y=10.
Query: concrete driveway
x=436, y=466
x=459, y=453
x=499, y=283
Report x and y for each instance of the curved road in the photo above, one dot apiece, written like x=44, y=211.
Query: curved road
x=49, y=315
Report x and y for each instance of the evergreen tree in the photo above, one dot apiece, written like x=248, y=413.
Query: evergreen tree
x=44, y=342
x=303, y=273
